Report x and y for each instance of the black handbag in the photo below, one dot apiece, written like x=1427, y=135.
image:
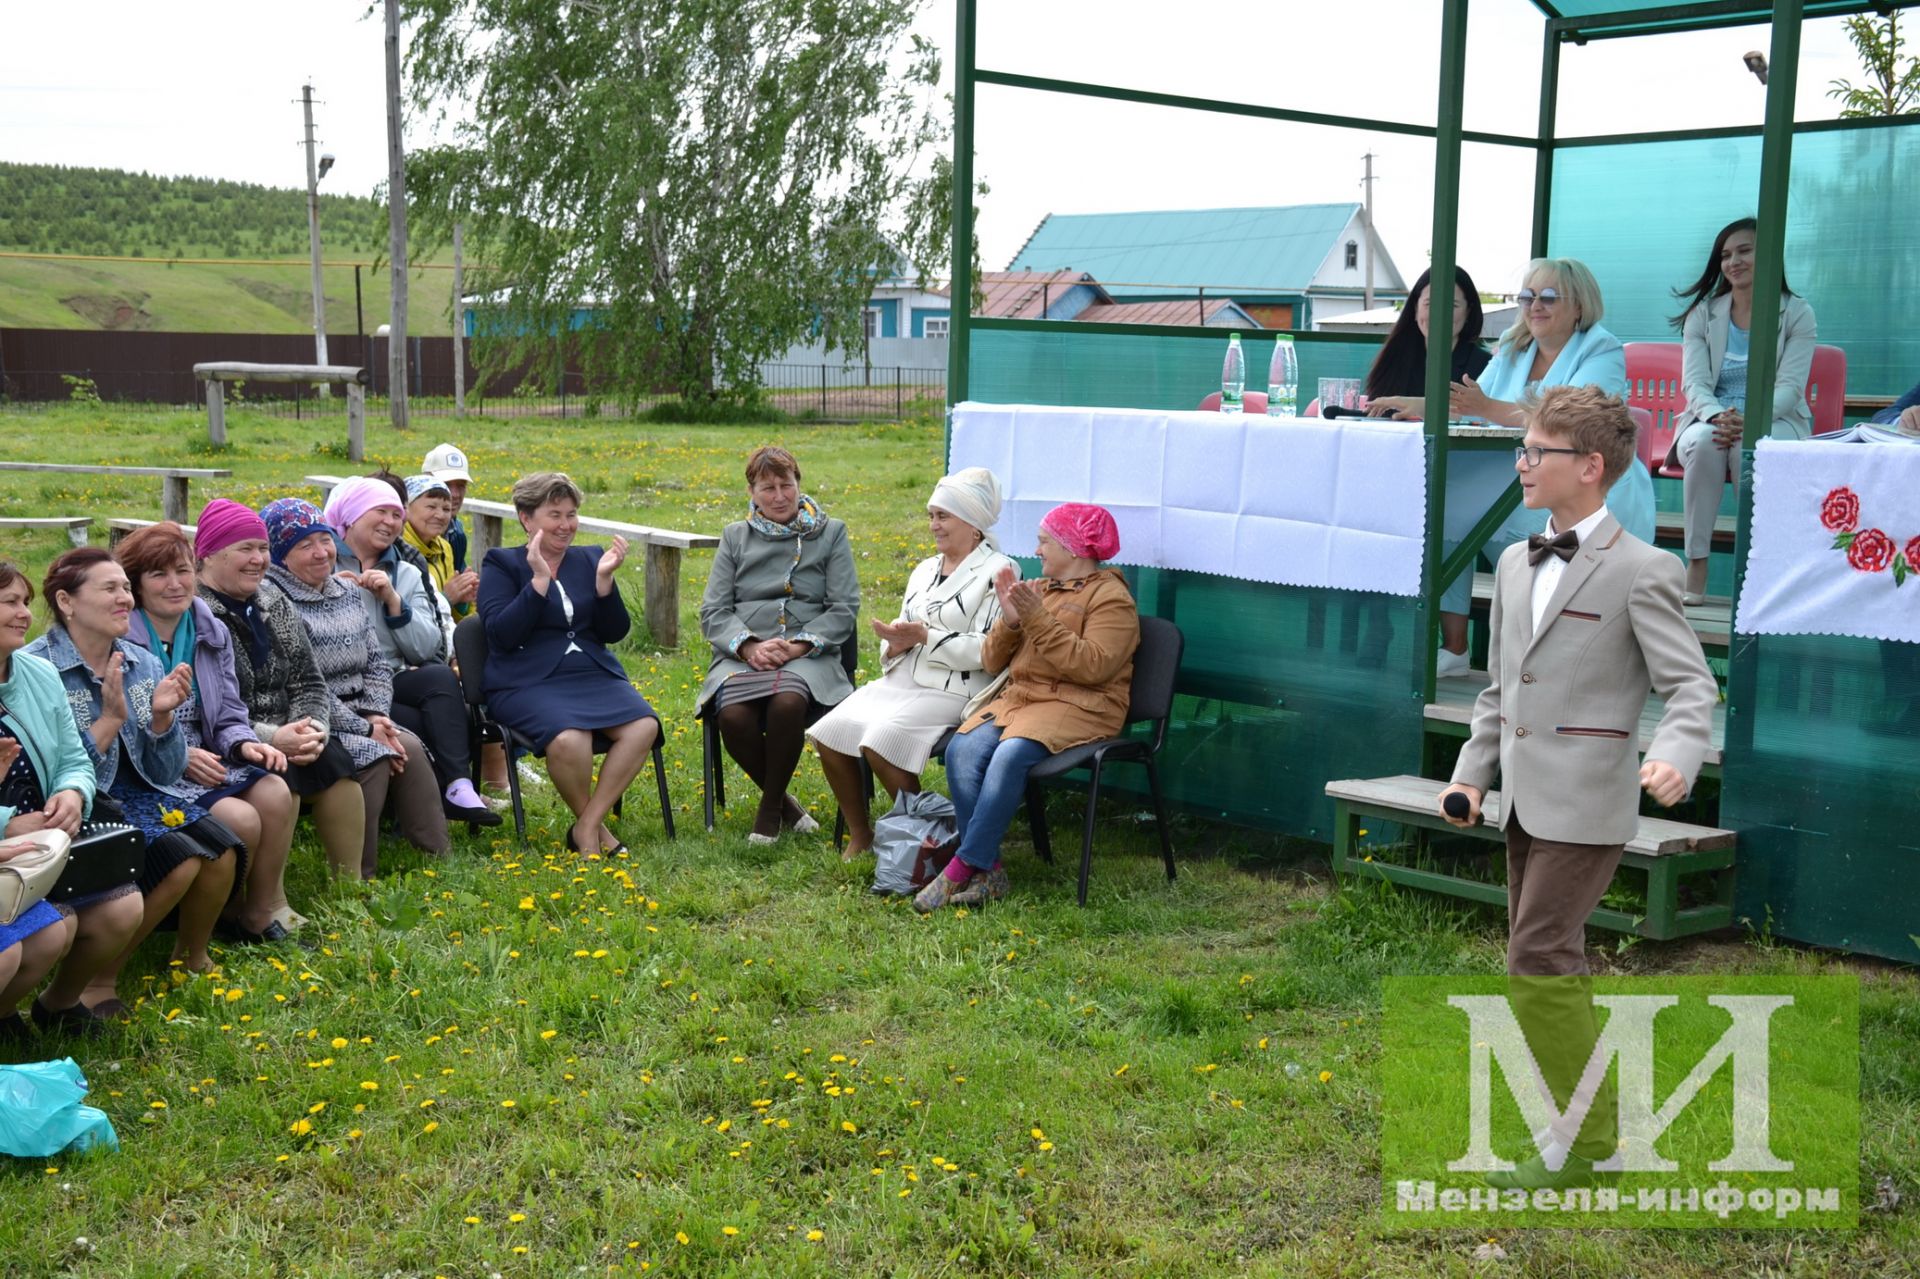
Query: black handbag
x=105, y=854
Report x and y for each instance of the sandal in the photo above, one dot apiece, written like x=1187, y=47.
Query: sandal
x=939, y=892
x=984, y=887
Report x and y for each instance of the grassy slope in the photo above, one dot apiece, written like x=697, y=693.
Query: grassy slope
x=209, y=298
x=671, y=1031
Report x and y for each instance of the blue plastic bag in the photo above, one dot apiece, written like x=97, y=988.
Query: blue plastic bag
x=41, y=1111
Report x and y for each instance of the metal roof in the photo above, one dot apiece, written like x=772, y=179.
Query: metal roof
x=1251, y=251
x=1026, y=295
x=1220, y=313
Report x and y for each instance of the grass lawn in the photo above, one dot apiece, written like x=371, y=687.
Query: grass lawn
x=710, y=1059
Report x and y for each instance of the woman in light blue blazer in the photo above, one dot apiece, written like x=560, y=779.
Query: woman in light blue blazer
x=1555, y=341
x=1713, y=335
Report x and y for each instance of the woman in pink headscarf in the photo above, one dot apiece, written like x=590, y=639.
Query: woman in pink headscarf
x=1063, y=648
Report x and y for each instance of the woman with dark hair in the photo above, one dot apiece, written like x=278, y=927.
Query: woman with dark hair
x=230, y=771
x=1396, y=384
x=781, y=602
x=123, y=702
x=551, y=609
x=46, y=781
x=1716, y=316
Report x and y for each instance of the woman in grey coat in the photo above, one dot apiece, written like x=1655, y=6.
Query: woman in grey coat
x=781, y=603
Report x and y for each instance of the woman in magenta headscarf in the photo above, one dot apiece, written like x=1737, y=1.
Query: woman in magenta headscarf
x=1063, y=648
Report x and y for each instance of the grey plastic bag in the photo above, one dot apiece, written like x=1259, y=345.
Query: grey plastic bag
x=910, y=842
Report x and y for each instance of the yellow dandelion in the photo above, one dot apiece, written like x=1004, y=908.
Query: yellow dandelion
x=681, y=1237
x=509, y=1103
x=847, y=1125
x=548, y=1034
x=301, y=1127
x=367, y=1085
x=815, y=1236
x=338, y=1043
x=516, y=1217
x=433, y=1125
x=1325, y=1075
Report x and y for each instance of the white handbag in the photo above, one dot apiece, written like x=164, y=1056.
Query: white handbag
x=28, y=875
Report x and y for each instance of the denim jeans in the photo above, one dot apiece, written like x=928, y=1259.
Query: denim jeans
x=988, y=778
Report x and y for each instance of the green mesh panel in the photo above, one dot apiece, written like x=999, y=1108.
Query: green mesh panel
x=1824, y=794
x=1853, y=237
x=1073, y=364
x=1281, y=689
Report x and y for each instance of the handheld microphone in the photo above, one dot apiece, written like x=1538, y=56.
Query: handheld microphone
x=1457, y=805
x=1340, y=410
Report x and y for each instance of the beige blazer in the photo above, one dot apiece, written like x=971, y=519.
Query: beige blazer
x=1703, y=344
x=1560, y=721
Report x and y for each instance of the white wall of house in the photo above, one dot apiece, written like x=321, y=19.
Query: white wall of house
x=1334, y=273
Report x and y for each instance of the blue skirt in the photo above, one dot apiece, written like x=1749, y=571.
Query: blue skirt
x=579, y=694
x=31, y=921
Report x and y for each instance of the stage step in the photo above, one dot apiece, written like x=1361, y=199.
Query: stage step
x=1451, y=712
x=1669, y=529
x=1711, y=621
x=1662, y=850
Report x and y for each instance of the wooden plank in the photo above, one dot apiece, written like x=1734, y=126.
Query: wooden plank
x=117, y=529
x=1867, y=405
x=1670, y=529
x=215, y=371
x=1454, y=697
x=1711, y=621
x=217, y=414
x=1419, y=797
x=183, y=472
x=651, y=536
x=77, y=526
x=356, y=422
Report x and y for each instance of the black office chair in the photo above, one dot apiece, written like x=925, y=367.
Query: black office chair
x=470, y=649
x=713, y=756
x=1150, y=700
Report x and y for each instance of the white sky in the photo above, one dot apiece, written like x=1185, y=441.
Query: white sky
x=212, y=89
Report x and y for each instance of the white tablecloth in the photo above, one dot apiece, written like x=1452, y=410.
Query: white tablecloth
x=1829, y=522
x=1300, y=501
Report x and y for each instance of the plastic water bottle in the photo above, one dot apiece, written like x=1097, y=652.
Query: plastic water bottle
x=1233, y=377
x=1283, y=379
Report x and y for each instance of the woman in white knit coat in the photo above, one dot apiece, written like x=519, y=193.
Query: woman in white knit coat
x=930, y=653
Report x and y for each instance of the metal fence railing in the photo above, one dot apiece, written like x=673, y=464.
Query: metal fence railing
x=818, y=392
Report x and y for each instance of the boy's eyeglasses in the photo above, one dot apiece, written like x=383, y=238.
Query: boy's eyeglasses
x=1529, y=455
x=1545, y=297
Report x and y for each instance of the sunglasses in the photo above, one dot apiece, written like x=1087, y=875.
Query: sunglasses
x=1545, y=297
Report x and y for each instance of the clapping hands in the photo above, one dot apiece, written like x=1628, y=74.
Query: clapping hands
x=612, y=558
x=173, y=690
x=1466, y=399
x=900, y=636
x=1019, y=600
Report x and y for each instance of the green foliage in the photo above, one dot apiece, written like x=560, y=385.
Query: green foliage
x=81, y=390
x=1893, y=89
x=716, y=179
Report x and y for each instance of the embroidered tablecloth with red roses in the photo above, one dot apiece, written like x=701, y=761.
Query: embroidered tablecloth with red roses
x=1836, y=541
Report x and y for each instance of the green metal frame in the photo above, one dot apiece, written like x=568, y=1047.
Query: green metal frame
x=1776, y=135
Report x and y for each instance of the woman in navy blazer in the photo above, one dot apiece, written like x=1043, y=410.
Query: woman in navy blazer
x=550, y=609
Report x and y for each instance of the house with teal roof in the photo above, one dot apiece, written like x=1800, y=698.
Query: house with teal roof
x=1287, y=266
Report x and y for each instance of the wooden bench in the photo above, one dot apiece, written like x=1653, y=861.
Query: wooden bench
x=664, y=551
x=117, y=530
x=173, y=480
x=216, y=374
x=1451, y=713
x=75, y=525
x=1663, y=850
x=1711, y=621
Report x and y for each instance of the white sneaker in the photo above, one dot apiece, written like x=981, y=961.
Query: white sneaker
x=1451, y=663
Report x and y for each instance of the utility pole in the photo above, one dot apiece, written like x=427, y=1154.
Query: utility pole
x=396, y=229
x=459, y=318
x=1366, y=220
x=313, y=240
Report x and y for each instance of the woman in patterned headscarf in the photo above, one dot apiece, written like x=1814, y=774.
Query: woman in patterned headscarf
x=781, y=603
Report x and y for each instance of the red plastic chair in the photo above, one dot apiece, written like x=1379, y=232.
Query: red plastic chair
x=1643, y=440
x=1827, y=390
x=1254, y=402
x=1654, y=384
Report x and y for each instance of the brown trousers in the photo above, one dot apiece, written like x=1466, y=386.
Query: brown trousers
x=1551, y=889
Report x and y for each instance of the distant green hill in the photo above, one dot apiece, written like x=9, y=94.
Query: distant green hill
x=110, y=212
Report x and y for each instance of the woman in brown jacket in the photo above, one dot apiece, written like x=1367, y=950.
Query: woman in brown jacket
x=1065, y=643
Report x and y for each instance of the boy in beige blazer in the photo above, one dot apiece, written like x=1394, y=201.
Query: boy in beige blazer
x=1586, y=619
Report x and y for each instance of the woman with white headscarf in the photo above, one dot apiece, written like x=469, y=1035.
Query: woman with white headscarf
x=930, y=653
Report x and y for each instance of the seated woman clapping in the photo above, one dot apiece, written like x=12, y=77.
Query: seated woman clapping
x=230, y=771
x=281, y=686
x=932, y=655
x=46, y=780
x=551, y=609
x=123, y=702
x=781, y=603
x=388, y=760
x=1066, y=642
